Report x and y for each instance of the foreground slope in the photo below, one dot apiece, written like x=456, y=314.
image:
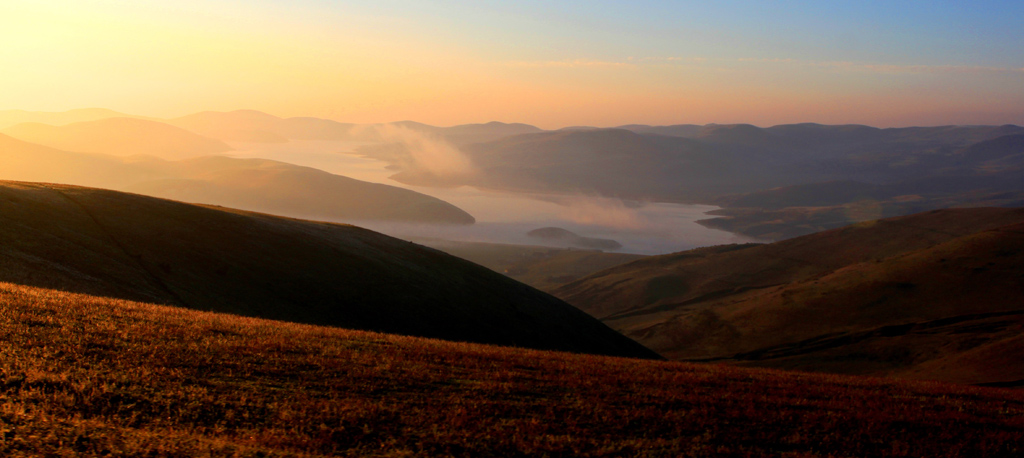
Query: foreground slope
x=88, y=376
x=896, y=296
x=141, y=248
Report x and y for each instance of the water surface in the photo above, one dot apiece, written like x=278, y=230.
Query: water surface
x=504, y=217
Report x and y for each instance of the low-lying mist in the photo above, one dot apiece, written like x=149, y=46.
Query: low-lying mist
x=505, y=217
x=427, y=153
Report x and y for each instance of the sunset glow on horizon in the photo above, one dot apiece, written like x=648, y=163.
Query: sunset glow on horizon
x=602, y=63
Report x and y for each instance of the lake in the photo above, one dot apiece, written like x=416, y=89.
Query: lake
x=504, y=217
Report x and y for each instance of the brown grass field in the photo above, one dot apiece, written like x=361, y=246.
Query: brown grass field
x=89, y=376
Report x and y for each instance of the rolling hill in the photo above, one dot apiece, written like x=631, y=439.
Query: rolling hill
x=706, y=164
x=256, y=126
x=291, y=190
x=93, y=376
x=10, y=118
x=609, y=162
x=542, y=267
x=120, y=137
x=986, y=173
x=903, y=296
x=252, y=184
x=141, y=248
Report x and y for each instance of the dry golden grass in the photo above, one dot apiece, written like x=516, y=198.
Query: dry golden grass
x=877, y=298
x=88, y=376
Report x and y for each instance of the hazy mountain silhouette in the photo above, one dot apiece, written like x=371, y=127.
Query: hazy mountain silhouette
x=254, y=184
x=286, y=189
x=477, y=133
x=779, y=182
x=986, y=173
x=120, y=136
x=714, y=160
x=612, y=162
x=892, y=296
x=677, y=130
x=24, y=161
x=256, y=126
x=142, y=248
x=9, y=118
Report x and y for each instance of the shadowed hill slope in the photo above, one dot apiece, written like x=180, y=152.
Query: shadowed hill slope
x=121, y=137
x=884, y=297
x=141, y=248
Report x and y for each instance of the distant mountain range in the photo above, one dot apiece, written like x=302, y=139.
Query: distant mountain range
x=141, y=248
x=774, y=183
x=937, y=295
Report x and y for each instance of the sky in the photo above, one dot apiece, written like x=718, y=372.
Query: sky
x=548, y=63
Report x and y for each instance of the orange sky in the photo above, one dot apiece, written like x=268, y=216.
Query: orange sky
x=450, y=64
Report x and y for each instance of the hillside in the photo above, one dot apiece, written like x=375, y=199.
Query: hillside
x=255, y=126
x=775, y=183
x=541, y=267
x=10, y=118
x=120, y=137
x=91, y=376
x=986, y=173
x=610, y=162
x=296, y=191
x=252, y=184
x=140, y=248
x=897, y=296
x=24, y=161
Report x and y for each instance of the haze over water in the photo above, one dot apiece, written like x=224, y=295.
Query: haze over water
x=503, y=217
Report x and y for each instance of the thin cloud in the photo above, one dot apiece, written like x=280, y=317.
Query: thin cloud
x=932, y=69
x=834, y=65
x=578, y=63
x=767, y=60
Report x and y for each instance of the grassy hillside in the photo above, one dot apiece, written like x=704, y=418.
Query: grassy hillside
x=90, y=376
x=544, y=268
x=141, y=248
x=896, y=296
